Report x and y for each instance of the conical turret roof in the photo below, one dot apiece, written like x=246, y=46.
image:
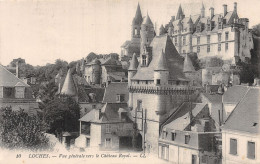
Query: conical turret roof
x=162, y=30
x=147, y=20
x=188, y=67
x=202, y=7
x=162, y=64
x=190, y=21
x=138, y=19
x=69, y=86
x=133, y=64
x=179, y=13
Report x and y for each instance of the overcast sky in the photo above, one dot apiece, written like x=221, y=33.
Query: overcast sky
x=41, y=31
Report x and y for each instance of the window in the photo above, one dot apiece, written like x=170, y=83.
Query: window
x=198, y=49
x=120, y=98
x=138, y=81
x=146, y=82
x=219, y=37
x=187, y=139
x=194, y=159
x=87, y=142
x=198, y=40
x=251, y=150
x=204, y=159
x=108, y=128
x=208, y=38
x=219, y=25
x=208, y=26
x=208, y=48
x=226, y=35
x=139, y=105
x=158, y=81
x=1, y=92
x=233, y=146
x=173, y=136
x=108, y=143
x=165, y=152
x=219, y=47
x=19, y=92
x=135, y=32
x=165, y=133
x=226, y=46
x=8, y=92
x=144, y=60
x=184, y=40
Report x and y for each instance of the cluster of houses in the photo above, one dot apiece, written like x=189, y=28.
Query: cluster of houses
x=161, y=104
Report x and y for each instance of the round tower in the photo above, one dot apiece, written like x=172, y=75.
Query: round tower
x=132, y=68
x=147, y=33
x=161, y=72
x=190, y=28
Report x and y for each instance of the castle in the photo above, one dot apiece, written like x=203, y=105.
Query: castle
x=222, y=35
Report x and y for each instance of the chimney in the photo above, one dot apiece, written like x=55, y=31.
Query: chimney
x=225, y=9
x=17, y=69
x=211, y=12
x=235, y=7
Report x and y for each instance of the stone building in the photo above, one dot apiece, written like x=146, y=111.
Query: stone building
x=157, y=86
x=224, y=35
x=188, y=136
x=15, y=93
x=240, y=133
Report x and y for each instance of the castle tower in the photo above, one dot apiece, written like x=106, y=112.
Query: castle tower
x=147, y=33
x=132, y=68
x=180, y=15
x=188, y=66
x=136, y=23
x=161, y=71
x=69, y=87
x=202, y=11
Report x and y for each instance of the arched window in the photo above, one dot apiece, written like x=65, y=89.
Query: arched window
x=144, y=60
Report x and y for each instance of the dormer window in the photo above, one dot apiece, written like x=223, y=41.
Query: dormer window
x=144, y=58
x=120, y=98
x=187, y=139
x=19, y=92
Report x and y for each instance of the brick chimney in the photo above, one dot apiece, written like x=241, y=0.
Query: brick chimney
x=225, y=9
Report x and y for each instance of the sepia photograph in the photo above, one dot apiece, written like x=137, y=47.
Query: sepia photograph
x=129, y=81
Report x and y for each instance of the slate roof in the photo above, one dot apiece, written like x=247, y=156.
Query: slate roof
x=188, y=67
x=173, y=59
x=68, y=87
x=162, y=64
x=7, y=79
x=138, y=19
x=245, y=116
x=134, y=63
x=234, y=94
x=213, y=98
x=181, y=119
x=147, y=20
x=179, y=13
x=126, y=43
x=114, y=89
x=99, y=94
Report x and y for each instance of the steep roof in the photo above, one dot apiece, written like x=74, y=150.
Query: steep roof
x=213, y=98
x=134, y=63
x=234, y=94
x=181, y=119
x=162, y=64
x=114, y=89
x=68, y=87
x=245, y=116
x=138, y=19
x=7, y=79
x=147, y=20
x=179, y=13
x=173, y=59
x=188, y=66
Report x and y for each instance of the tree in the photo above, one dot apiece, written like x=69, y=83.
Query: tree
x=62, y=114
x=21, y=131
x=256, y=30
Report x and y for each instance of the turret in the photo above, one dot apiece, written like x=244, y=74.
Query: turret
x=162, y=30
x=190, y=25
x=161, y=71
x=211, y=12
x=132, y=68
x=136, y=24
x=188, y=66
x=180, y=14
x=147, y=33
x=202, y=11
x=69, y=87
x=170, y=29
x=235, y=7
x=225, y=9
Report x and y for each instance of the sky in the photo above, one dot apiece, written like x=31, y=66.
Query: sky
x=41, y=31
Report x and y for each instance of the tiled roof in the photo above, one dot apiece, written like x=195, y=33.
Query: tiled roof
x=110, y=61
x=213, y=98
x=68, y=87
x=188, y=67
x=234, y=94
x=7, y=79
x=245, y=116
x=174, y=60
x=113, y=89
x=116, y=75
x=134, y=63
x=181, y=119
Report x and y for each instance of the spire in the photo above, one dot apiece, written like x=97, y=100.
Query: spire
x=202, y=11
x=138, y=16
x=162, y=64
x=179, y=13
x=162, y=30
x=133, y=64
x=202, y=6
x=147, y=20
x=187, y=66
x=190, y=21
x=69, y=86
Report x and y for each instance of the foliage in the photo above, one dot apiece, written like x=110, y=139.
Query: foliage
x=19, y=60
x=21, y=131
x=62, y=114
x=256, y=30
